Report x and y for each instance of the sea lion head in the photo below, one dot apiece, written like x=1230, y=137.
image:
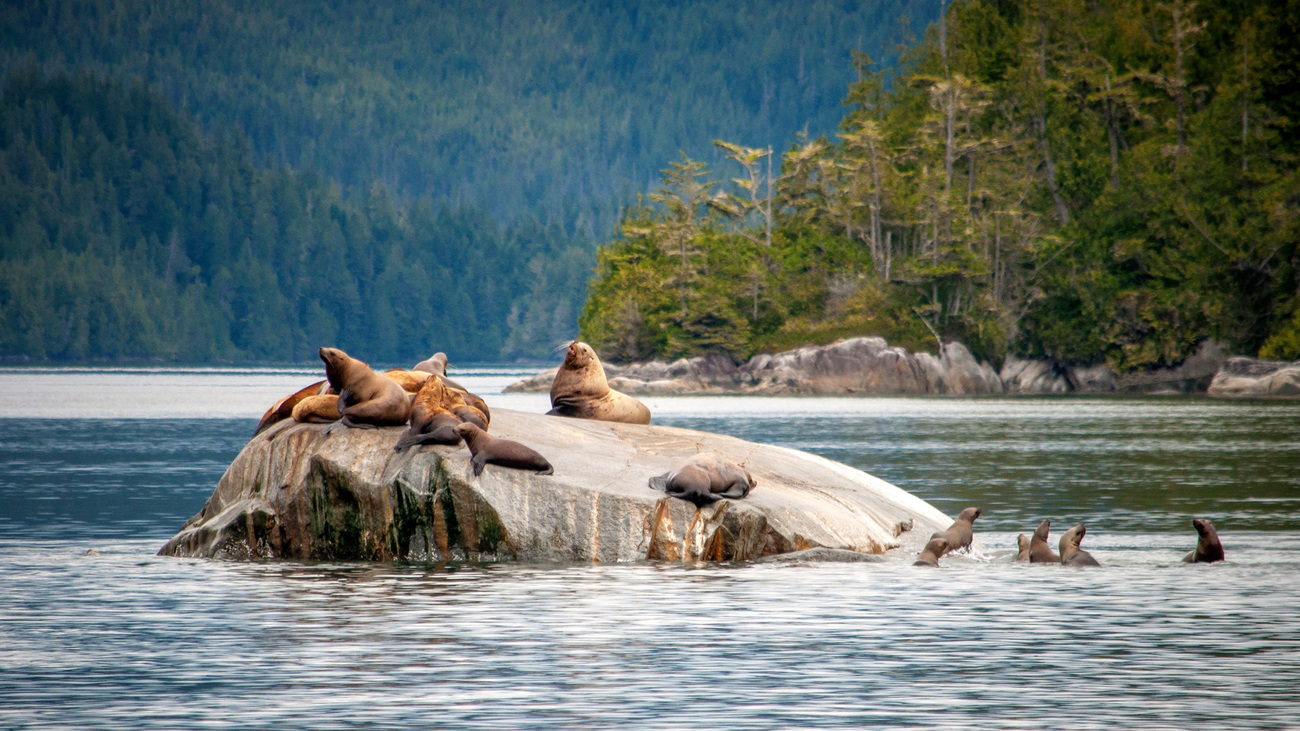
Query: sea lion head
x=1203, y=527
x=1022, y=542
x=580, y=377
x=436, y=364
x=579, y=356
x=1072, y=538
x=970, y=514
x=467, y=431
x=1040, y=532
x=337, y=364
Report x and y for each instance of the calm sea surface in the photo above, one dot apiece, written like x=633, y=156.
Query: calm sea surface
x=116, y=460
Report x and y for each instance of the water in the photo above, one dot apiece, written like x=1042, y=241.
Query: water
x=117, y=460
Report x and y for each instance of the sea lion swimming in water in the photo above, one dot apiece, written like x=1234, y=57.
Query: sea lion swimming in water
x=432, y=421
x=486, y=449
x=580, y=391
x=1022, y=542
x=1208, y=549
x=705, y=478
x=366, y=399
x=283, y=409
x=937, y=547
x=1039, y=551
x=1071, y=554
x=961, y=532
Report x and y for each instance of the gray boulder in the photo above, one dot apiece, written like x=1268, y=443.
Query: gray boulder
x=294, y=492
x=1250, y=378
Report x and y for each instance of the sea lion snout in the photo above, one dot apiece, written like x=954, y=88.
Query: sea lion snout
x=1199, y=525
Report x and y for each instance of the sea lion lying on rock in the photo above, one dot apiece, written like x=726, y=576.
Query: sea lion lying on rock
x=283, y=409
x=937, y=547
x=961, y=533
x=1208, y=549
x=432, y=419
x=366, y=399
x=704, y=479
x=410, y=381
x=486, y=449
x=1022, y=542
x=435, y=364
x=1039, y=551
x=317, y=409
x=1071, y=554
x=580, y=391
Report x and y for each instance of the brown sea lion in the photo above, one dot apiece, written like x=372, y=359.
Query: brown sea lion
x=1022, y=541
x=1071, y=554
x=472, y=400
x=1208, y=549
x=937, y=547
x=321, y=409
x=283, y=409
x=1039, y=551
x=432, y=422
x=961, y=532
x=487, y=449
x=435, y=364
x=410, y=381
x=704, y=479
x=366, y=399
x=580, y=391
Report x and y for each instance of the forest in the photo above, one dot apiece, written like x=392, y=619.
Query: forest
x=190, y=181
x=1087, y=180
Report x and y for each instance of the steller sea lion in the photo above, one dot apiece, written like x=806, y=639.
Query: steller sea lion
x=283, y=409
x=1039, y=551
x=366, y=399
x=410, y=381
x=1208, y=549
x=1071, y=554
x=1022, y=542
x=937, y=547
x=487, y=449
x=704, y=479
x=432, y=421
x=580, y=391
x=317, y=409
x=961, y=532
x=435, y=364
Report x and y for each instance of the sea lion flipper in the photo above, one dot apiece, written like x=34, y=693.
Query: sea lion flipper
x=660, y=482
x=548, y=471
x=477, y=462
x=1190, y=557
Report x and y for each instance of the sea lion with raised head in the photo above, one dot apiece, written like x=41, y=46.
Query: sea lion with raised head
x=1022, y=542
x=960, y=534
x=283, y=409
x=432, y=421
x=1208, y=549
x=705, y=478
x=435, y=364
x=366, y=399
x=1071, y=554
x=581, y=391
x=937, y=547
x=1039, y=551
x=487, y=449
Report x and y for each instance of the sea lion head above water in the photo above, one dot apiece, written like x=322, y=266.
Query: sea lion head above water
x=1208, y=548
x=1022, y=543
x=937, y=547
x=961, y=533
x=1071, y=554
x=1039, y=551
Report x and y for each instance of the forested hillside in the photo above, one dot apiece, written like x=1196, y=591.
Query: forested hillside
x=1109, y=180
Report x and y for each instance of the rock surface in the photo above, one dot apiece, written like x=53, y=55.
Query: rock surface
x=1250, y=378
x=294, y=492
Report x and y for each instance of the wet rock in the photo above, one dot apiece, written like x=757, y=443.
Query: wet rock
x=1193, y=375
x=1250, y=378
x=823, y=555
x=295, y=493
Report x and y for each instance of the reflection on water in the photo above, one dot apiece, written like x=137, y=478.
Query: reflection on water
x=129, y=640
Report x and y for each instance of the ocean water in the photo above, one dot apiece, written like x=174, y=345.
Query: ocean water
x=115, y=460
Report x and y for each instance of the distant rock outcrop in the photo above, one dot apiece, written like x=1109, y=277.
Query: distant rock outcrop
x=294, y=492
x=1250, y=378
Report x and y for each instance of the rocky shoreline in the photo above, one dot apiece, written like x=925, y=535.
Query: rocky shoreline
x=869, y=366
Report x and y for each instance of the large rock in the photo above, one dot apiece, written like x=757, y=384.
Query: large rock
x=294, y=492
x=1250, y=378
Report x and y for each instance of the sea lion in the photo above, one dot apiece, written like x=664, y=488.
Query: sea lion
x=937, y=547
x=487, y=449
x=1208, y=549
x=1071, y=554
x=1039, y=551
x=432, y=422
x=580, y=391
x=704, y=479
x=283, y=409
x=321, y=409
x=366, y=399
x=472, y=400
x=410, y=381
x=435, y=364
x=961, y=532
x=1022, y=541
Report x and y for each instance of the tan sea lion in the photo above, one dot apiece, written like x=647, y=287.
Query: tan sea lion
x=1071, y=554
x=472, y=400
x=487, y=449
x=937, y=547
x=961, y=532
x=366, y=399
x=432, y=422
x=1022, y=541
x=1039, y=551
x=435, y=364
x=410, y=381
x=321, y=409
x=704, y=479
x=1208, y=549
x=283, y=409
x=580, y=391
